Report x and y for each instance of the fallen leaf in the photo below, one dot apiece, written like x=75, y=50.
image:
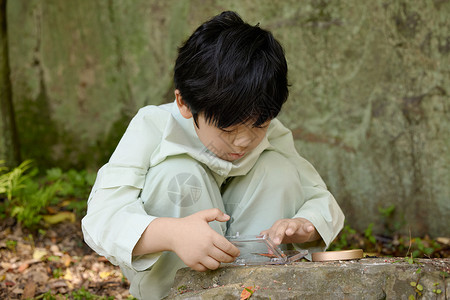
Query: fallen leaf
x=51, y=210
x=55, y=249
x=70, y=285
x=39, y=276
x=39, y=253
x=23, y=267
x=29, y=291
x=102, y=259
x=104, y=275
x=66, y=259
x=57, y=284
x=65, y=203
x=247, y=293
x=9, y=283
x=68, y=275
x=59, y=217
x=443, y=240
x=5, y=265
x=17, y=291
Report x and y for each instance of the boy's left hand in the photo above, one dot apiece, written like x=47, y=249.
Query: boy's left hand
x=297, y=230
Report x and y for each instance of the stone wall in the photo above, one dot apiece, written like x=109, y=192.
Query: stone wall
x=369, y=101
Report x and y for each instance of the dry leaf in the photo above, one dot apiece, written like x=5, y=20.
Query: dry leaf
x=55, y=249
x=39, y=253
x=9, y=283
x=443, y=240
x=59, y=217
x=247, y=293
x=102, y=259
x=29, y=290
x=17, y=291
x=66, y=203
x=51, y=210
x=57, y=284
x=6, y=265
x=23, y=267
x=66, y=259
x=70, y=285
x=68, y=275
x=104, y=275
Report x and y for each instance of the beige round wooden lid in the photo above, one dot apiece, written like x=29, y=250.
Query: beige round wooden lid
x=337, y=255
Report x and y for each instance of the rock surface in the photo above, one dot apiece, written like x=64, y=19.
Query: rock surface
x=368, y=103
x=369, y=278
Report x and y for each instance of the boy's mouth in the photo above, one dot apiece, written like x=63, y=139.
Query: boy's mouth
x=235, y=156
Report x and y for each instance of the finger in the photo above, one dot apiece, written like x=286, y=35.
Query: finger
x=226, y=246
x=199, y=267
x=221, y=256
x=210, y=263
x=213, y=214
x=280, y=233
x=308, y=227
x=264, y=232
x=292, y=228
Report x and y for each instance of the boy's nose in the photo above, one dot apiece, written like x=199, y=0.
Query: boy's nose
x=242, y=140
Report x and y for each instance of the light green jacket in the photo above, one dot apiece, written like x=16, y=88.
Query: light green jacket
x=116, y=217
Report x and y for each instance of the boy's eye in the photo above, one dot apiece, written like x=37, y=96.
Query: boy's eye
x=227, y=130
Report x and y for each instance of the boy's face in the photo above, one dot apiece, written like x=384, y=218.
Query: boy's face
x=229, y=143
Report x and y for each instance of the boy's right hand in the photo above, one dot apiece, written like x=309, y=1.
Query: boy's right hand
x=198, y=245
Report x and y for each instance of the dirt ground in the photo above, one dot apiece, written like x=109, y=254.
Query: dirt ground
x=55, y=264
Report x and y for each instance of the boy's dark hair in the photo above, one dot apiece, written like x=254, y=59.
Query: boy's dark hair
x=232, y=72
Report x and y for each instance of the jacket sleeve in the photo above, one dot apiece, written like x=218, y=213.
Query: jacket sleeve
x=116, y=218
x=319, y=207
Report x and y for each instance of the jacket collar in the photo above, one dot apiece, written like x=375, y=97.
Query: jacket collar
x=179, y=137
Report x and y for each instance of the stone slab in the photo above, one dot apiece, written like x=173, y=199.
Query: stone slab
x=369, y=278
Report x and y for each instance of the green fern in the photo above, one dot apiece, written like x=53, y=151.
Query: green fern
x=13, y=181
x=25, y=198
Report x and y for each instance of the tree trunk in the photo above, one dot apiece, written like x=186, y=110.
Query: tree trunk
x=9, y=143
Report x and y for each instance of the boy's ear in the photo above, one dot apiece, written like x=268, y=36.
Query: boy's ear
x=182, y=106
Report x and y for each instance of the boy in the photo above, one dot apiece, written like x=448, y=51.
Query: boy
x=213, y=163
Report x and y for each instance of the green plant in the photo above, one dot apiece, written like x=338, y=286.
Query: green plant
x=75, y=185
x=444, y=274
x=57, y=273
x=391, y=219
x=26, y=195
x=46, y=296
x=368, y=233
x=423, y=248
x=343, y=241
x=418, y=288
x=28, y=205
x=11, y=245
x=436, y=289
x=13, y=181
x=82, y=294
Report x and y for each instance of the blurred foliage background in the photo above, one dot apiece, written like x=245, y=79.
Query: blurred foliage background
x=369, y=98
